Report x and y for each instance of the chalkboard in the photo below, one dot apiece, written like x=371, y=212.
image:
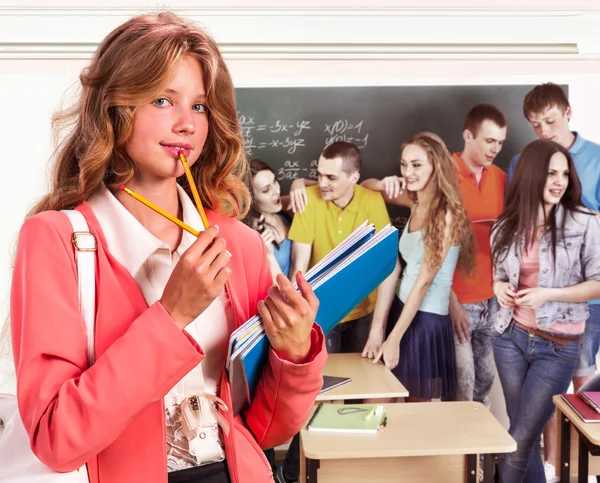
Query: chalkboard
x=288, y=127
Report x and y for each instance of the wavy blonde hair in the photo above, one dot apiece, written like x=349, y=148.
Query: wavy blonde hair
x=444, y=197
x=130, y=68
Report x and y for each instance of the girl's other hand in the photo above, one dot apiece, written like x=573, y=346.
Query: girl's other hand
x=288, y=317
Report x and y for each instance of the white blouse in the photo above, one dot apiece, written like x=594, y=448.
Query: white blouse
x=151, y=262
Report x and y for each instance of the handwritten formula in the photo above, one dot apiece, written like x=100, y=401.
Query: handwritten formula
x=292, y=146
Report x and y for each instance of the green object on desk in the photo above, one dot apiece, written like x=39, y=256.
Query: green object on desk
x=341, y=418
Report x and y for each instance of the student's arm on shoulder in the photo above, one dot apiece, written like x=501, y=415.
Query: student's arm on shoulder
x=297, y=199
x=389, y=188
x=59, y=397
x=378, y=214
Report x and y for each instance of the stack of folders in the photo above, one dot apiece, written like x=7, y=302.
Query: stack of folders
x=342, y=418
x=585, y=405
x=341, y=281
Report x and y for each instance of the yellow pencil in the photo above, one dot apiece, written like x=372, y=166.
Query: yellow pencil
x=160, y=211
x=371, y=413
x=195, y=194
x=194, y=189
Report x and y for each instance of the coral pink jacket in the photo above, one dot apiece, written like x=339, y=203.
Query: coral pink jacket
x=111, y=415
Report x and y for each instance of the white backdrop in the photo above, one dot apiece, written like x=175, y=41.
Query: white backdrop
x=44, y=45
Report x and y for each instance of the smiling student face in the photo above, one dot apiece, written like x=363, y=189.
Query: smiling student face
x=487, y=144
x=266, y=192
x=334, y=182
x=175, y=120
x=415, y=167
x=557, y=180
x=552, y=124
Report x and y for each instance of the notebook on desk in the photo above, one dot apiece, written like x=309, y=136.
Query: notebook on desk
x=341, y=418
x=331, y=382
x=585, y=412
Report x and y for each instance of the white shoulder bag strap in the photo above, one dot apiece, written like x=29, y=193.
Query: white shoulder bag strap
x=85, y=246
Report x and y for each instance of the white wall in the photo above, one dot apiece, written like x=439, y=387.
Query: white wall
x=43, y=46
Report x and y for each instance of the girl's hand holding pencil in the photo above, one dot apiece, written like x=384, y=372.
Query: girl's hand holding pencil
x=201, y=272
x=198, y=278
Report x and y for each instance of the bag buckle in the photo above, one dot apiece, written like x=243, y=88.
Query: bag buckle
x=83, y=241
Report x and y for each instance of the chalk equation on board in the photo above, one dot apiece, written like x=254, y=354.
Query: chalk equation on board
x=280, y=138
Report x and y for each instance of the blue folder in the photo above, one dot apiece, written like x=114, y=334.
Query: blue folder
x=338, y=294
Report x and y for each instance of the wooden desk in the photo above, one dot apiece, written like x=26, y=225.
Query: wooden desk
x=576, y=440
x=422, y=442
x=373, y=381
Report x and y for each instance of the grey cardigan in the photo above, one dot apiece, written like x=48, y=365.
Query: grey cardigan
x=577, y=260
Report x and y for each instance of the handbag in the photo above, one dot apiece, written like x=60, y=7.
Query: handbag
x=18, y=464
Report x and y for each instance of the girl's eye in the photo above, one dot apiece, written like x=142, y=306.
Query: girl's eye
x=549, y=121
x=199, y=108
x=416, y=165
x=161, y=102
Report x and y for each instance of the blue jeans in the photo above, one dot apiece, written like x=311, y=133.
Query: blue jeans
x=475, y=358
x=591, y=341
x=532, y=370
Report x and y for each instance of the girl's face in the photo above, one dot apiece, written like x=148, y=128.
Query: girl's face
x=415, y=167
x=557, y=179
x=266, y=190
x=176, y=120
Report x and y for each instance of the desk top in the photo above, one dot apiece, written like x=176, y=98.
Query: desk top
x=417, y=429
x=590, y=430
x=368, y=380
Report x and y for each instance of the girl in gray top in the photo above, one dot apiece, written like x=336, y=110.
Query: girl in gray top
x=546, y=255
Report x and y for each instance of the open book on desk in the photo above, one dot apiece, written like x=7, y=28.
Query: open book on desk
x=341, y=280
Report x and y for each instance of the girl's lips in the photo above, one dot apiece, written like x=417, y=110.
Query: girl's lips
x=175, y=150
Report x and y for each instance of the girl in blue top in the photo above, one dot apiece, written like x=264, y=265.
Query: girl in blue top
x=420, y=347
x=268, y=217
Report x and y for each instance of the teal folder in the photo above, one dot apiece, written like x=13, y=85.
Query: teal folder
x=340, y=281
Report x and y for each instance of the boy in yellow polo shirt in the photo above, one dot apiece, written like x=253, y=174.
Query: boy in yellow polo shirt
x=334, y=209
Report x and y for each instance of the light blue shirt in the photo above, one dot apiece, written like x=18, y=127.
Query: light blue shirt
x=283, y=254
x=437, y=298
x=586, y=157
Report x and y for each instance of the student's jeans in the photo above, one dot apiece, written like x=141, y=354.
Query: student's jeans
x=532, y=370
x=475, y=357
x=344, y=338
